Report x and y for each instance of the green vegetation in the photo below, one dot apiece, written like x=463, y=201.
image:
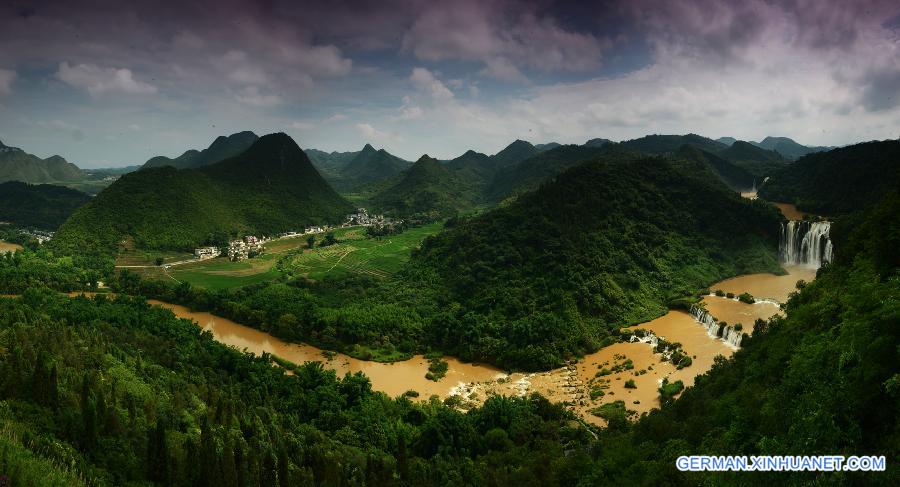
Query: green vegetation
x=108, y=392
x=788, y=147
x=746, y=298
x=428, y=190
x=437, y=368
x=668, y=390
x=549, y=276
x=379, y=257
x=368, y=167
x=115, y=392
x=18, y=165
x=41, y=206
x=270, y=188
x=837, y=182
x=629, y=384
x=222, y=148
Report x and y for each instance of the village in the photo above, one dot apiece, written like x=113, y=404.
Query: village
x=251, y=246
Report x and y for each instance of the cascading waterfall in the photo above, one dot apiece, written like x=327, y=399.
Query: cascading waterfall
x=805, y=242
x=714, y=329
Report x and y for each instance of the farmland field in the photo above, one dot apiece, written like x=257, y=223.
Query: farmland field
x=376, y=257
x=355, y=253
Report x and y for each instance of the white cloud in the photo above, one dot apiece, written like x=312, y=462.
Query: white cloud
x=301, y=125
x=424, y=80
x=370, y=133
x=237, y=67
x=97, y=80
x=252, y=96
x=135, y=127
x=502, y=69
x=337, y=117
x=6, y=80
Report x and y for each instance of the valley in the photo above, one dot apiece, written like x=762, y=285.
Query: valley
x=469, y=385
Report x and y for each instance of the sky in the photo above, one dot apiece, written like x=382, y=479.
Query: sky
x=113, y=83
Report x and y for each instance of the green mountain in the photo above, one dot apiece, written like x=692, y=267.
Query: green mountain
x=474, y=168
x=368, y=167
x=736, y=177
x=330, y=164
x=726, y=140
x=527, y=175
x=757, y=161
x=547, y=146
x=788, y=148
x=839, y=181
x=514, y=153
x=18, y=165
x=428, y=189
x=598, y=142
x=41, y=206
x=607, y=243
x=669, y=144
x=271, y=187
x=222, y=148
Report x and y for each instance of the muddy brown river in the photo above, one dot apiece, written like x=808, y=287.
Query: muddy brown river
x=571, y=384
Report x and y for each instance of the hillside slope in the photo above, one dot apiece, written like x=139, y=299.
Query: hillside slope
x=788, y=148
x=429, y=190
x=18, y=165
x=222, y=148
x=272, y=187
x=839, y=181
x=43, y=206
x=607, y=243
x=368, y=167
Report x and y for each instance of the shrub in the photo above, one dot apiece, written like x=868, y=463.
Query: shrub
x=720, y=293
x=629, y=384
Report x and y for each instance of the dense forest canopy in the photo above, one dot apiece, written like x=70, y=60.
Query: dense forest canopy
x=42, y=206
x=272, y=187
x=839, y=181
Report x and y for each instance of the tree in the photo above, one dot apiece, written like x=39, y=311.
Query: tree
x=311, y=241
x=159, y=261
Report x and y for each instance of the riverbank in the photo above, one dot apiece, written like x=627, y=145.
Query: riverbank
x=626, y=371
x=9, y=247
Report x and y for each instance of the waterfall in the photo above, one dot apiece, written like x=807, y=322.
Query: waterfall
x=805, y=242
x=727, y=333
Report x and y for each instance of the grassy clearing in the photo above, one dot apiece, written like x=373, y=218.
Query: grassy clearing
x=376, y=257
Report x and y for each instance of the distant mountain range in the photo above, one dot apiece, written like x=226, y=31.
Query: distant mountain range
x=269, y=188
x=18, y=165
x=42, y=206
x=783, y=145
x=220, y=149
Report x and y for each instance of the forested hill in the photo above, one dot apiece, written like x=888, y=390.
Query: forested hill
x=605, y=244
x=427, y=190
x=527, y=175
x=367, y=167
x=272, y=187
x=222, y=148
x=736, y=177
x=18, y=165
x=41, y=206
x=839, y=181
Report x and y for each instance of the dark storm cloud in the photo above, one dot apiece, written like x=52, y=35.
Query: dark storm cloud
x=438, y=76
